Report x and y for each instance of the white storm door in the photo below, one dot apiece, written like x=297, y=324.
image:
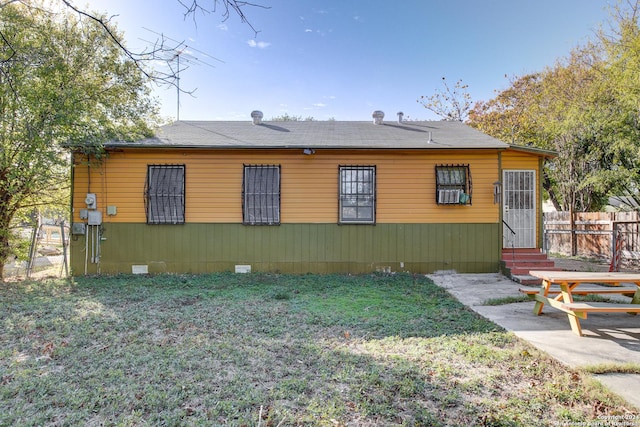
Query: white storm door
x=519, y=208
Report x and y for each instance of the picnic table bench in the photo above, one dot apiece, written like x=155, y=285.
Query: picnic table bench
x=568, y=282
x=600, y=290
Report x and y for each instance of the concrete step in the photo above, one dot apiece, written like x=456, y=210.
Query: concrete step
x=519, y=262
x=522, y=251
x=538, y=256
x=526, y=279
x=529, y=263
x=517, y=270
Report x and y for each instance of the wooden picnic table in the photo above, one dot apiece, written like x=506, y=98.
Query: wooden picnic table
x=568, y=281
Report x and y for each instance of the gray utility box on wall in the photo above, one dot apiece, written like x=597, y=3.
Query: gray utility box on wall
x=95, y=218
x=78, y=228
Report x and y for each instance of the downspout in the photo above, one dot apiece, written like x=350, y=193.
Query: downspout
x=540, y=213
x=88, y=227
x=71, y=208
x=500, y=204
x=86, y=250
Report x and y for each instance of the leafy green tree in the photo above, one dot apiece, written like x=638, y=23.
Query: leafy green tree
x=577, y=118
x=573, y=109
x=510, y=116
x=621, y=45
x=513, y=116
x=65, y=85
x=587, y=108
x=163, y=49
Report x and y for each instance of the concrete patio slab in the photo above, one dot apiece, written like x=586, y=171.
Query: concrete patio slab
x=608, y=337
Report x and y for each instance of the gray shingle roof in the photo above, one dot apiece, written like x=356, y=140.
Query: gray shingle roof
x=316, y=134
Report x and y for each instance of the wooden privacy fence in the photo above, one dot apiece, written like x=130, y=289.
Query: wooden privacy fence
x=593, y=235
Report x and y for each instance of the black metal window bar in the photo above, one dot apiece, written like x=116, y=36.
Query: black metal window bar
x=165, y=194
x=453, y=185
x=357, y=201
x=261, y=195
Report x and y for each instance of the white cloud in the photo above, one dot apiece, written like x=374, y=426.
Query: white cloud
x=260, y=45
x=308, y=30
x=319, y=104
x=223, y=27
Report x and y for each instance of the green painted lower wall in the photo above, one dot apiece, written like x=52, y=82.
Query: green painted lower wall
x=291, y=248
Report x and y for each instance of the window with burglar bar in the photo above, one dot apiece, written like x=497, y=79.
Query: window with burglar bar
x=165, y=194
x=453, y=185
x=357, y=201
x=261, y=195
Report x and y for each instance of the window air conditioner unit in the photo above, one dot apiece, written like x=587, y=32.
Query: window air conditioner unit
x=449, y=196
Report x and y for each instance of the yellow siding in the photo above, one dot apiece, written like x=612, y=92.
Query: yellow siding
x=519, y=161
x=309, y=184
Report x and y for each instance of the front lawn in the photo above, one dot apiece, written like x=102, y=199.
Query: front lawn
x=272, y=350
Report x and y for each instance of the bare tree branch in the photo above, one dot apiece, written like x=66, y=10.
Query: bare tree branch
x=451, y=104
x=236, y=6
x=164, y=49
x=4, y=61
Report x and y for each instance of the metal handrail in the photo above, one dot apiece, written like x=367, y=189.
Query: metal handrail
x=510, y=229
x=513, y=246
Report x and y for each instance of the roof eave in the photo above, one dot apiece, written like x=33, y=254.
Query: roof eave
x=296, y=147
x=534, y=150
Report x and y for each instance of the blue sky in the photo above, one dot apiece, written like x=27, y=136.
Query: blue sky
x=342, y=59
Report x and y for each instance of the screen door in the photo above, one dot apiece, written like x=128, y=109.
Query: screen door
x=519, y=208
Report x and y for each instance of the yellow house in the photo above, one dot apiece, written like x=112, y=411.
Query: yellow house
x=305, y=196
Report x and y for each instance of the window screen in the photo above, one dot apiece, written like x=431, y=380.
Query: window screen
x=164, y=194
x=261, y=195
x=357, y=201
x=453, y=185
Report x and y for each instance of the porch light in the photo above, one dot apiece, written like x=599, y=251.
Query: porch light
x=309, y=151
x=497, y=192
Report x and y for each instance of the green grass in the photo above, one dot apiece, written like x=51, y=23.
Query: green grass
x=269, y=350
x=507, y=300
x=525, y=298
x=613, y=368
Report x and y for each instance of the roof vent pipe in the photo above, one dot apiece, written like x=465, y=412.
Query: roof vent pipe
x=400, y=115
x=430, y=139
x=377, y=117
x=257, y=116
